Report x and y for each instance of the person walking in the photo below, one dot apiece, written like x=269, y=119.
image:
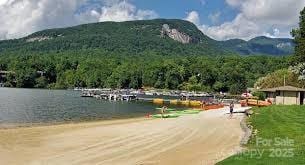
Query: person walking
x=231, y=109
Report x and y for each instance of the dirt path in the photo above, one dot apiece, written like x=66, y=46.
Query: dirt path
x=193, y=139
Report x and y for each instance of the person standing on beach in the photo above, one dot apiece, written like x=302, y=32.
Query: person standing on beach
x=231, y=109
x=163, y=110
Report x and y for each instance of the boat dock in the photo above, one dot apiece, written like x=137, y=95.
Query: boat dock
x=109, y=95
x=182, y=99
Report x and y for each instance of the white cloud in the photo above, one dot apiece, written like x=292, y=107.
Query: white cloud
x=21, y=17
x=276, y=32
x=124, y=11
x=257, y=17
x=214, y=17
x=232, y=29
x=193, y=17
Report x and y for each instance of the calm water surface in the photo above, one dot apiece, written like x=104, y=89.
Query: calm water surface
x=24, y=106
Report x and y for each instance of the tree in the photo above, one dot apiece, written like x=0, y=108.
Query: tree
x=277, y=78
x=299, y=38
x=41, y=82
x=192, y=84
x=26, y=78
x=96, y=69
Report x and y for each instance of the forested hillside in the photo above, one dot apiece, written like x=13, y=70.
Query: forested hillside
x=140, y=37
x=171, y=54
x=99, y=69
x=129, y=38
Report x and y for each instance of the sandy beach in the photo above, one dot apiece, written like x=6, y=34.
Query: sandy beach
x=200, y=139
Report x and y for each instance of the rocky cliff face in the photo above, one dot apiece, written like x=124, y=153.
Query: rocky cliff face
x=175, y=34
x=39, y=39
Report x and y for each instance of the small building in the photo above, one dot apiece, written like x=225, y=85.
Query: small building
x=285, y=95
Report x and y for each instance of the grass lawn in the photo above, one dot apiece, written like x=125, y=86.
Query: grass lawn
x=280, y=137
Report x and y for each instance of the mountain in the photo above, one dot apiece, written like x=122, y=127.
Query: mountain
x=261, y=45
x=159, y=36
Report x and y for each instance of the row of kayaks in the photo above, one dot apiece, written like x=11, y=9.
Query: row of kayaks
x=253, y=102
x=191, y=103
x=173, y=113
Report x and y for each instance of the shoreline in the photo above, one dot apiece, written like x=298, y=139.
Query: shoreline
x=5, y=126
x=207, y=138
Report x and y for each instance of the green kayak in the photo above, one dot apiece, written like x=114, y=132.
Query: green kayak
x=186, y=112
x=172, y=115
x=168, y=109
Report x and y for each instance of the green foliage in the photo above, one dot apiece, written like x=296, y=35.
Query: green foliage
x=97, y=69
x=299, y=38
x=133, y=54
x=41, y=82
x=125, y=38
x=260, y=95
x=139, y=37
x=192, y=85
x=25, y=78
x=277, y=78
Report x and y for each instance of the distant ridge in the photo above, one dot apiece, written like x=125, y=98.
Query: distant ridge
x=261, y=45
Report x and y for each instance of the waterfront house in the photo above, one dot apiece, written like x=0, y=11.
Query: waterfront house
x=285, y=95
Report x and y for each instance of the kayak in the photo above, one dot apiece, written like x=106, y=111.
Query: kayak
x=158, y=101
x=172, y=115
x=168, y=109
x=212, y=106
x=186, y=112
x=195, y=103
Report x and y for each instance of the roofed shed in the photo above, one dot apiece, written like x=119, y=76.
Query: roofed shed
x=285, y=95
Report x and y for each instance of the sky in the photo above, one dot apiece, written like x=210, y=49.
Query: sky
x=219, y=19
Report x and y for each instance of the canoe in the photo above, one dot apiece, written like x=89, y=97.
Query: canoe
x=171, y=115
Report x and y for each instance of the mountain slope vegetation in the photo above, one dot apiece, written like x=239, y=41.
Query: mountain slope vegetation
x=164, y=54
x=133, y=37
x=140, y=37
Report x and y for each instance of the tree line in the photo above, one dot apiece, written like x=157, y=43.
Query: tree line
x=97, y=69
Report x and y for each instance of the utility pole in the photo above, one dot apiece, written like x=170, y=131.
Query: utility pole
x=284, y=80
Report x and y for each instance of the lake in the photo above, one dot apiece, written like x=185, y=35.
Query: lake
x=37, y=106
